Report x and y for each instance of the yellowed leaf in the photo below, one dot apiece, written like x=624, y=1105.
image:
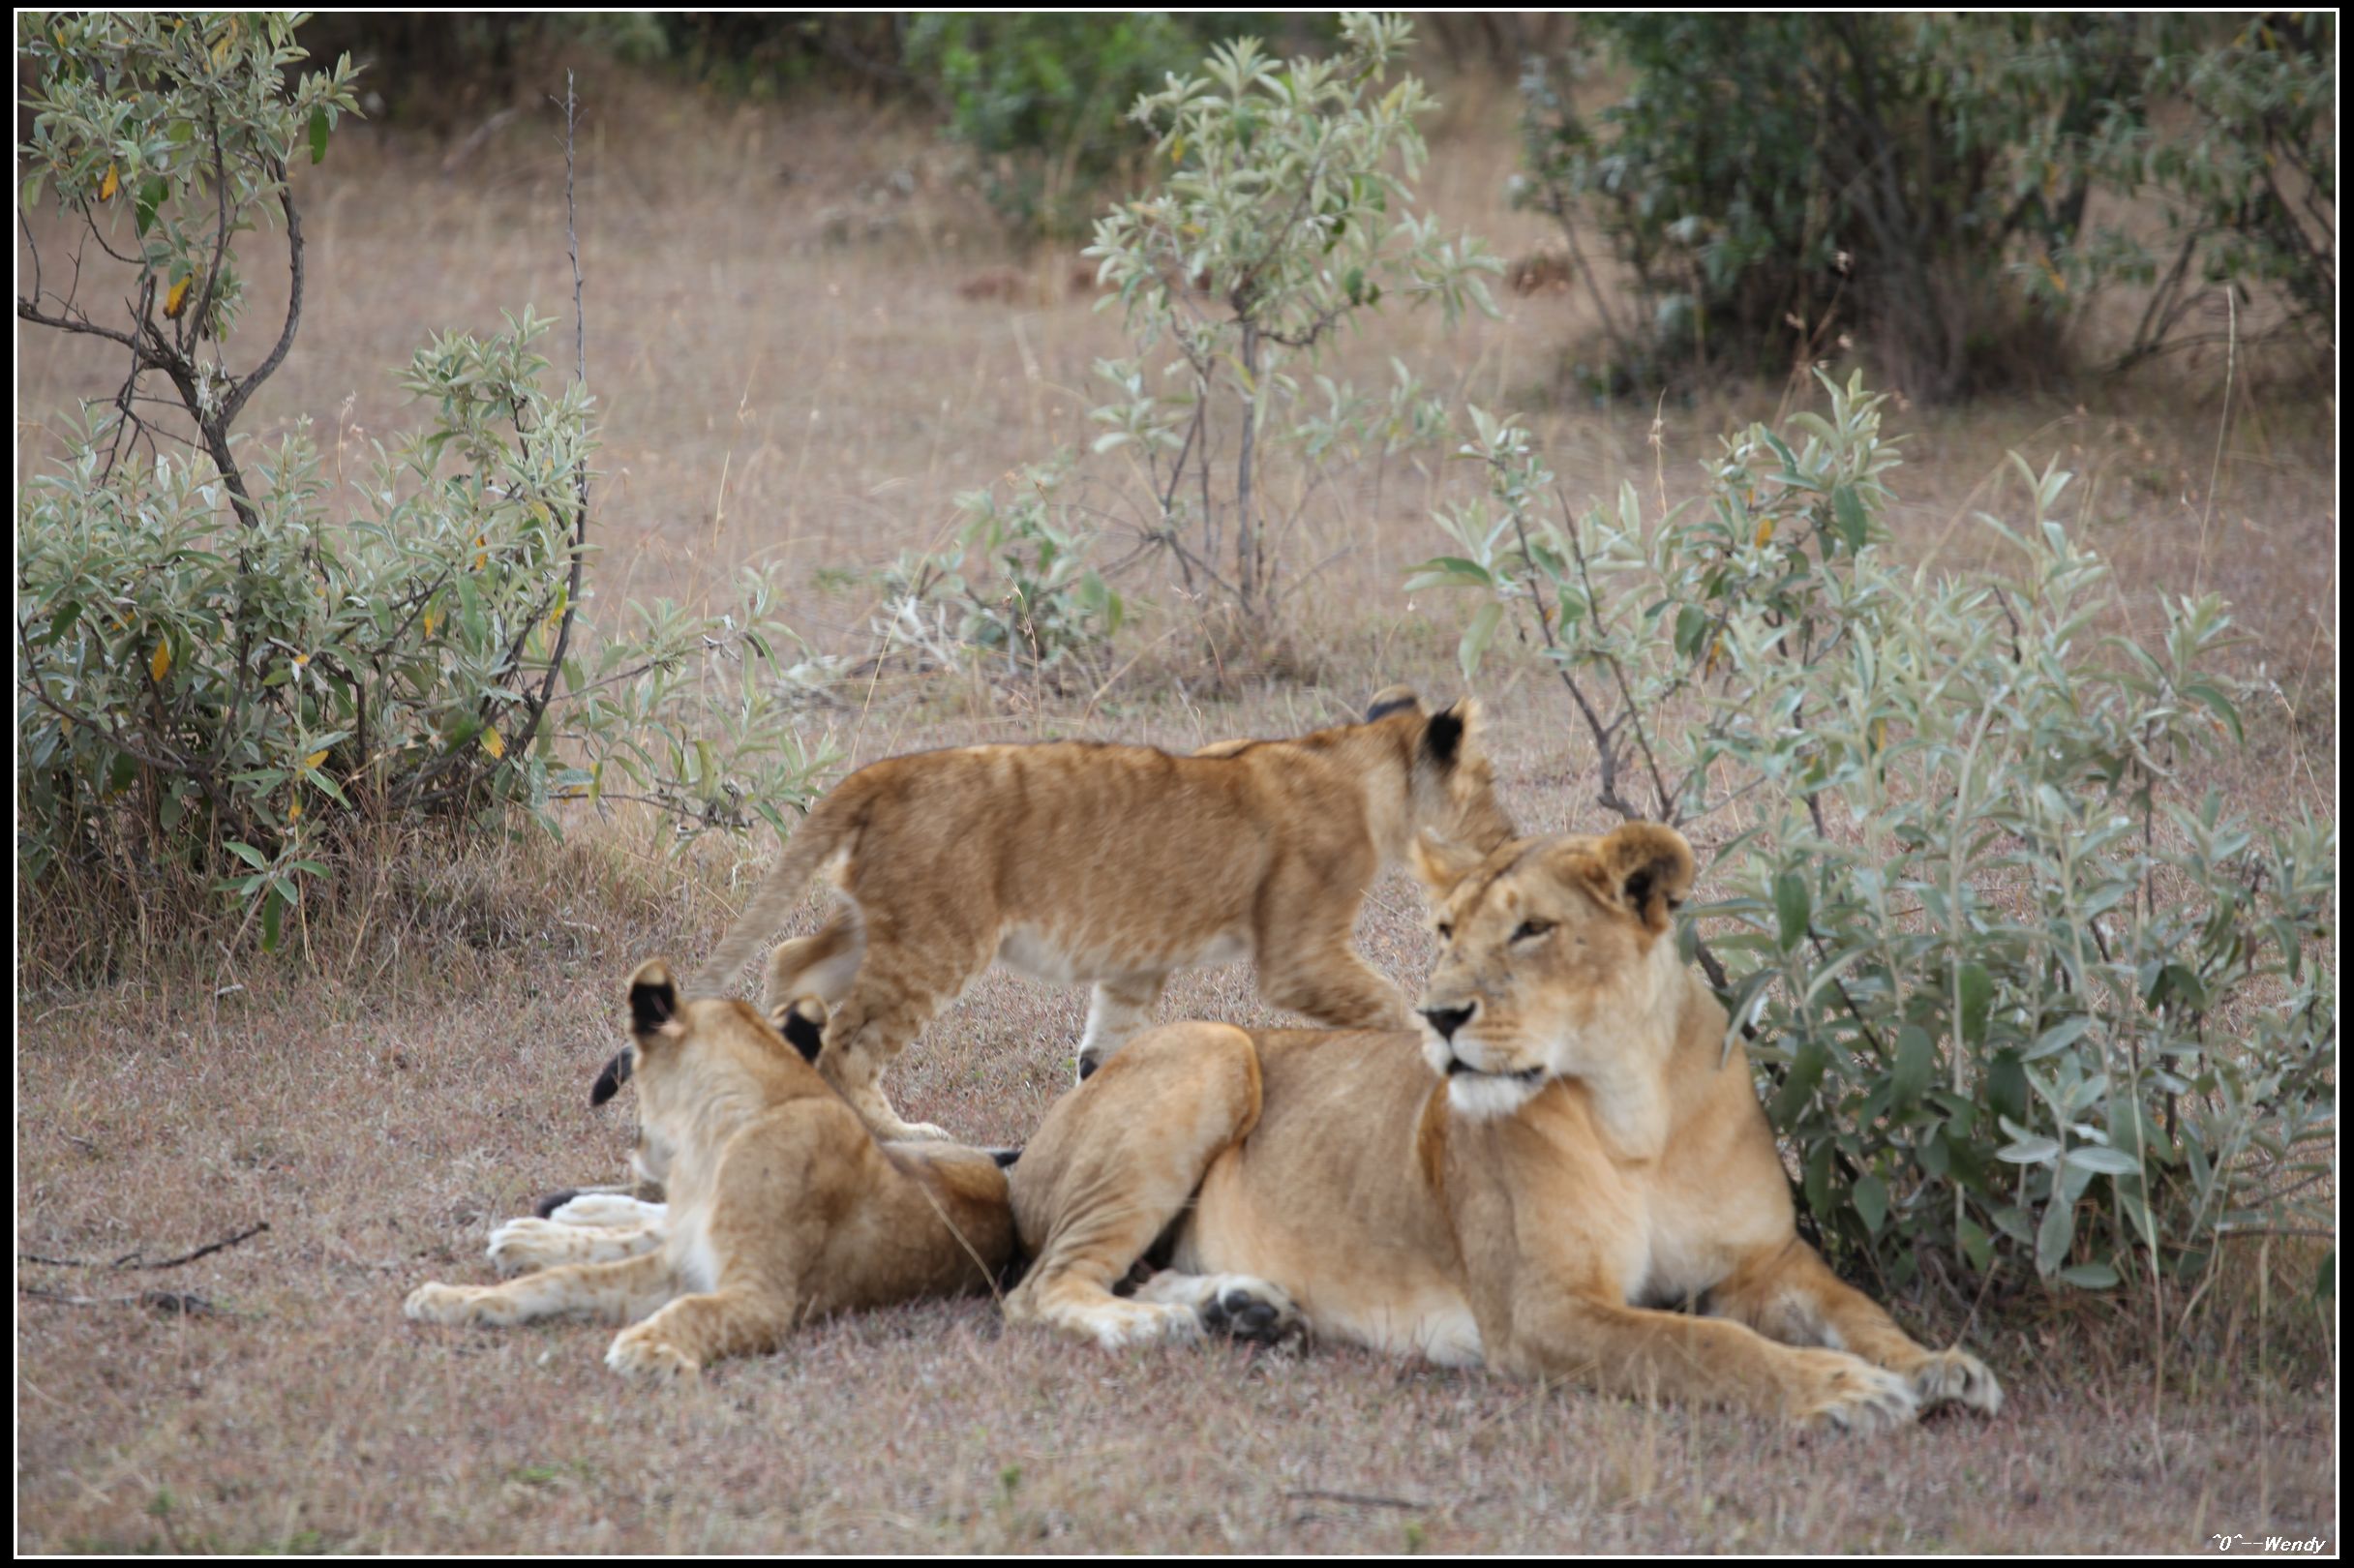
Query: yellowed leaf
x=428, y=623
x=176, y=301
x=1765, y=531
x=315, y=758
x=159, y=665
x=294, y=808
x=492, y=743
x=112, y=183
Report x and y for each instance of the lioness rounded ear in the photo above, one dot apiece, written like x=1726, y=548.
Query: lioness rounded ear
x=1442, y=862
x=653, y=998
x=1646, y=867
x=1390, y=699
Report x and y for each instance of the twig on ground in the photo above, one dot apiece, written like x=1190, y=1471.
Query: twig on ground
x=1361, y=1499
x=171, y=1302
x=130, y=1261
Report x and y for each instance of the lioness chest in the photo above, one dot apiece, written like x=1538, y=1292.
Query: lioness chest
x=1319, y=1199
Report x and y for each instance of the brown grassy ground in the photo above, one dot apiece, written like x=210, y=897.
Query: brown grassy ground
x=790, y=371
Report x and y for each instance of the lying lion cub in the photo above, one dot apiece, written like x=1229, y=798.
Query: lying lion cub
x=1565, y=1149
x=1108, y=866
x=781, y=1206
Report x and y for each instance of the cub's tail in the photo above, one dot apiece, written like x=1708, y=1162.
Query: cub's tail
x=833, y=822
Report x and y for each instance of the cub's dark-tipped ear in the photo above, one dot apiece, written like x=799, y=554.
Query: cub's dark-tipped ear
x=616, y=1074
x=803, y=1023
x=1448, y=734
x=1390, y=699
x=1646, y=868
x=653, y=998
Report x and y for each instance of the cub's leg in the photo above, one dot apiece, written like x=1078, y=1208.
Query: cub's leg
x=1792, y=1296
x=617, y=1291
x=824, y=965
x=1306, y=961
x=1115, y=1164
x=692, y=1332
x=803, y=1176
x=1117, y=1012
x=526, y=1243
x=602, y=1209
x=896, y=993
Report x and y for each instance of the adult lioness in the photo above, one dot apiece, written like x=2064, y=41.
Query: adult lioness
x=781, y=1205
x=1565, y=1149
x=1108, y=866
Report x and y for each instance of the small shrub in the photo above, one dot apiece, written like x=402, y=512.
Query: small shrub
x=1041, y=98
x=220, y=677
x=1016, y=584
x=1928, y=182
x=2019, y=1006
x=1289, y=212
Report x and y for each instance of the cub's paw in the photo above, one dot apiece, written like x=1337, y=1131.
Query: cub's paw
x=520, y=1245
x=898, y=1131
x=1958, y=1378
x=435, y=1303
x=636, y=1352
x=1849, y=1394
x=1117, y=1325
x=607, y=1209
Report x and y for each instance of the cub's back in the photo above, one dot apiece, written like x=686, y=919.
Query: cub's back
x=1067, y=820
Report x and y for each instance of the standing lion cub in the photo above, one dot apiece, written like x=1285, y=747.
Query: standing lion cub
x=1110, y=866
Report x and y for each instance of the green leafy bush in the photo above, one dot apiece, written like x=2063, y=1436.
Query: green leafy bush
x=1929, y=181
x=1041, y=98
x=222, y=674
x=1289, y=212
x=1015, y=585
x=2021, y=1008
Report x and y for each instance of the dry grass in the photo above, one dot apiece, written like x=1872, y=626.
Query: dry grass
x=791, y=370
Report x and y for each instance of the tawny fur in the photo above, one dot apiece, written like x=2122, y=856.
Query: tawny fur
x=1528, y=1193
x=781, y=1205
x=1110, y=866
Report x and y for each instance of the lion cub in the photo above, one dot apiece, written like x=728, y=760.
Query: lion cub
x=1110, y=866
x=781, y=1206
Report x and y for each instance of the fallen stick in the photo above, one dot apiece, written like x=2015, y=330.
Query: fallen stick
x=130, y=1261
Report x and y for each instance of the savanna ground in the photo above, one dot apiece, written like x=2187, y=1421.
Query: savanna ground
x=805, y=342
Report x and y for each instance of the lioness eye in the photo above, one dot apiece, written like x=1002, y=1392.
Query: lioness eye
x=1533, y=928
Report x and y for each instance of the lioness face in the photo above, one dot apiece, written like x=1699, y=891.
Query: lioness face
x=1552, y=949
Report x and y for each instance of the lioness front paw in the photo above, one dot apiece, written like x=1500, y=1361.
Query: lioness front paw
x=1958, y=1378
x=435, y=1303
x=1850, y=1394
x=636, y=1352
x=1239, y=1306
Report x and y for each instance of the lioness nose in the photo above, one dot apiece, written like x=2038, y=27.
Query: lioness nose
x=1447, y=1020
